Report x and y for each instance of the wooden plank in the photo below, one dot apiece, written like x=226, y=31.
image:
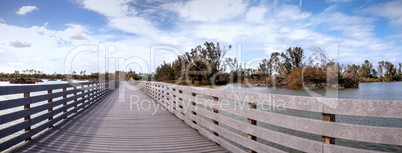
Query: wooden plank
x=14, y=103
x=366, y=108
x=330, y=148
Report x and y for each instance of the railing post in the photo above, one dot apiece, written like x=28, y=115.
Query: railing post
x=253, y=122
x=329, y=118
x=82, y=88
x=28, y=106
x=192, y=103
x=98, y=92
x=89, y=85
x=65, y=104
x=50, y=109
x=215, y=99
x=75, y=94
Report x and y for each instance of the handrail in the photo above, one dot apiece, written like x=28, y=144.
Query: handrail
x=186, y=105
x=50, y=109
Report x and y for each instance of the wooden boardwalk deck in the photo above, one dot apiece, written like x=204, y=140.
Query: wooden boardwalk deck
x=110, y=126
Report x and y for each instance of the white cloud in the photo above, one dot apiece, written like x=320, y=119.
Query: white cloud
x=121, y=16
x=15, y=64
x=134, y=25
x=211, y=10
x=256, y=14
x=357, y=39
x=390, y=10
x=2, y=20
x=110, y=8
x=40, y=48
x=26, y=9
x=290, y=12
x=339, y=21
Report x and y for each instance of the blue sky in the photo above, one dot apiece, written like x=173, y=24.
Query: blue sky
x=39, y=34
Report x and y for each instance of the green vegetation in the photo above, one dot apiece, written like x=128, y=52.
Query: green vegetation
x=25, y=80
x=132, y=74
x=207, y=65
x=386, y=72
x=33, y=78
x=203, y=65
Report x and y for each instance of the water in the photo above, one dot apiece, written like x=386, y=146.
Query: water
x=366, y=91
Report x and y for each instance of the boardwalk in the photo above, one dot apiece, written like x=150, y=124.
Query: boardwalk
x=110, y=126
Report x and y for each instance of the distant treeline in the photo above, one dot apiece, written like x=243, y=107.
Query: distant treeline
x=13, y=77
x=206, y=65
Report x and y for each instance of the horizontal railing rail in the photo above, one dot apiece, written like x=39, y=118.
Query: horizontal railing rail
x=186, y=105
x=44, y=106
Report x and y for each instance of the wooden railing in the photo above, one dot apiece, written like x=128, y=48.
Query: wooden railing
x=207, y=117
x=44, y=106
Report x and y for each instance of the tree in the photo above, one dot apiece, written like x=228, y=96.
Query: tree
x=179, y=67
x=237, y=73
x=286, y=64
x=366, y=70
x=265, y=67
x=390, y=70
x=294, y=79
x=353, y=69
x=380, y=69
x=204, y=63
x=296, y=56
x=132, y=74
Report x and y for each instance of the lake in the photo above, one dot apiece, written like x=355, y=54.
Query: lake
x=367, y=91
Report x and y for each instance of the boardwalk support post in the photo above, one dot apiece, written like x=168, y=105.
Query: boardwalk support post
x=75, y=94
x=26, y=118
x=50, y=109
x=192, y=103
x=253, y=122
x=215, y=99
x=82, y=88
x=329, y=118
x=65, y=104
